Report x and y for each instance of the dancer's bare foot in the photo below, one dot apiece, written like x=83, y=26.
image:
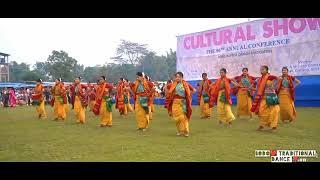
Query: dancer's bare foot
x=274, y=129
x=260, y=128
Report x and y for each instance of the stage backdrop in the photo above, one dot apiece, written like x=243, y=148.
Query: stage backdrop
x=276, y=42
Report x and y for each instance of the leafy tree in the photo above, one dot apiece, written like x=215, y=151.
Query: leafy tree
x=31, y=76
x=129, y=71
x=21, y=72
x=79, y=70
x=171, y=59
x=18, y=71
x=155, y=66
x=130, y=52
x=90, y=74
x=41, y=69
x=59, y=64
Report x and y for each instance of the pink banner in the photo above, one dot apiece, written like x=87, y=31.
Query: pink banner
x=277, y=42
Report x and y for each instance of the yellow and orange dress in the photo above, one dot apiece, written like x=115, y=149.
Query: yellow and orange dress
x=244, y=95
x=120, y=105
x=103, y=105
x=265, y=103
x=221, y=95
x=38, y=100
x=203, y=99
x=167, y=98
x=286, y=92
x=67, y=105
x=179, y=105
x=127, y=107
x=142, y=92
x=59, y=101
x=151, y=107
x=79, y=102
x=92, y=98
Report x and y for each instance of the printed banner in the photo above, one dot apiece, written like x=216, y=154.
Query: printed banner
x=276, y=42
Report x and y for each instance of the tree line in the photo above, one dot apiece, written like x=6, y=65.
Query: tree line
x=130, y=58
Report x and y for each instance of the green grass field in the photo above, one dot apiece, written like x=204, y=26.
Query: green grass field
x=25, y=138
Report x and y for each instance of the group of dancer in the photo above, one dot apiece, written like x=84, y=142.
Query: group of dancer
x=98, y=99
x=265, y=96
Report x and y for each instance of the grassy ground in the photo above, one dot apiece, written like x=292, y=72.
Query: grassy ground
x=25, y=138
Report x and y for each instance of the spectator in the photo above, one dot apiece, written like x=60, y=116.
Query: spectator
x=1, y=99
x=25, y=95
x=47, y=95
x=12, y=97
x=5, y=96
x=29, y=95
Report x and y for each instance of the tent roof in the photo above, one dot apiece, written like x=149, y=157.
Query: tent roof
x=20, y=85
x=4, y=54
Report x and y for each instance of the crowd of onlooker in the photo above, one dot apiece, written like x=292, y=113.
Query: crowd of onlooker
x=10, y=97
